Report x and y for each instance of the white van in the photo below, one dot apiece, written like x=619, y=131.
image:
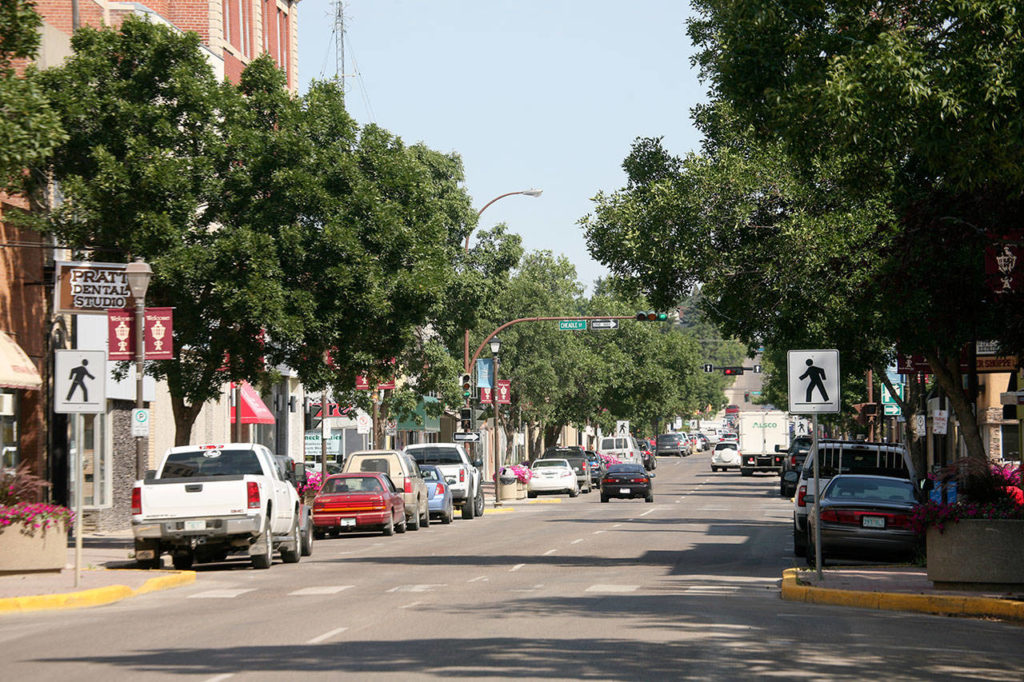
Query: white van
x=624, y=447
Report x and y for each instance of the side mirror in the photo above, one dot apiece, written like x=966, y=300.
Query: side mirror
x=651, y=475
x=478, y=463
x=150, y=475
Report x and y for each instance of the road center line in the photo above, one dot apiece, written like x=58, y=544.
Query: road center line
x=616, y=525
x=516, y=567
x=650, y=510
x=219, y=678
x=326, y=635
x=550, y=551
x=477, y=579
x=409, y=606
x=598, y=532
x=576, y=541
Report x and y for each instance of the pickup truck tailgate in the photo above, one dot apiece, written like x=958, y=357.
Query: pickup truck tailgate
x=194, y=497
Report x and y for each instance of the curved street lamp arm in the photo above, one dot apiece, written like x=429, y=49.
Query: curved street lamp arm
x=490, y=336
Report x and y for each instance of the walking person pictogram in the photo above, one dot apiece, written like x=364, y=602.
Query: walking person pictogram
x=77, y=376
x=816, y=377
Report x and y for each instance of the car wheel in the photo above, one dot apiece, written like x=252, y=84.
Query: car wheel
x=446, y=518
x=307, y=538
x=746, y=472
x=400, y=528
x=389, y=527
x=531, y=495
x=150, y=564
x=182, y=562
x=714, y=469
x=650, y=498
x=799, y=543
x=265, y=558
x=604, y=498
x=292, y=556
x=319, y=534
x=469, y=508
x=479, y=503
x=574, y=492
x=414, y=522
x=425, y=519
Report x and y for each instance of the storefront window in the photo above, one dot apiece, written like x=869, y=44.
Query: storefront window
x=1011, y=442
x=8, y=428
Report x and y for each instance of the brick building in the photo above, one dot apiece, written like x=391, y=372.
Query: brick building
x=233, y=32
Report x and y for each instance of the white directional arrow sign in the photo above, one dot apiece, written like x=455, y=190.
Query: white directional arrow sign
x=604, y=324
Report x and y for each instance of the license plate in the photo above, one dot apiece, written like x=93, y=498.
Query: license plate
x=346, y=522
x=623, y=490
x=195, y=525
x=873, y=521
x=145, y=554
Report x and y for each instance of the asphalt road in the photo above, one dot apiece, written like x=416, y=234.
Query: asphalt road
x=685, y=588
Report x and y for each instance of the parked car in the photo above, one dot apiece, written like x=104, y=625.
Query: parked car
x=702, y=442
x=844, y=457
x=624, y=448
x=439, y=493
x=725, y=456
x=460, y=473
x=672, y=444
x=597, y=467
x=794, y=459
x=577, y=459
x=404, y=473
x=358, y=502
x=627, y=481
x=208, y=501
x=864, y=517
x=552, y=476
x=650, y=460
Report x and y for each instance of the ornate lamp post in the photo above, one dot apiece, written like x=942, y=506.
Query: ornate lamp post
x=139, y=273
x=495, y=350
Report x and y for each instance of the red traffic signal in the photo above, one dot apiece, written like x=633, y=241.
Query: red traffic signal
x=732, y=371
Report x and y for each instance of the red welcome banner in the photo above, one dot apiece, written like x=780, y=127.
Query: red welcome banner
x=504, y=392
x=485, y=394
x=121, y=334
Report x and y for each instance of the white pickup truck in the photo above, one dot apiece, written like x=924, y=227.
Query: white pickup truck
x=462, y=475
x=208, y=501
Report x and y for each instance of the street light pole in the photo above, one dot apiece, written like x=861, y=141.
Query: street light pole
x=139, y=274
x=495, y=350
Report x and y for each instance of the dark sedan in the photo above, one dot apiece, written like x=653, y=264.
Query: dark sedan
x=865, y=517
x=627, y=481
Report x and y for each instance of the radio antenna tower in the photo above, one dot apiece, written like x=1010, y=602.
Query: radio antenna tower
x=339, y=44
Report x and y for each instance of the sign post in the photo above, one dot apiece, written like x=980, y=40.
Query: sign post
x=814, y=389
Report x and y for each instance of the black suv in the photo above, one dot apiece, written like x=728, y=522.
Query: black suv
x=672, y=444
x=798, y=449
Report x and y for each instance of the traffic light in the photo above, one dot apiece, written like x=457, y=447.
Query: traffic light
x=757, y=369
x=466, y=418
x=732, y=371
x=651, y=316
x=708, y=368
x=467, y=385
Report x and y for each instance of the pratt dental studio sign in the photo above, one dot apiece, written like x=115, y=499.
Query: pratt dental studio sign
x=90, y=288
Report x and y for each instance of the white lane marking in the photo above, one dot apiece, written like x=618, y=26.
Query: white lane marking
x=220, y=678
x=409, y=606
x=598, y=532
x=612, y=589
x=417, y=588
x=550, y=551
x=679, y=500
x=326, y=635
x=516, y=568
x=477, y=579
x=616, y=525
x=646, y=512
x=220, y=594
x=323, y=589
x=576, y=541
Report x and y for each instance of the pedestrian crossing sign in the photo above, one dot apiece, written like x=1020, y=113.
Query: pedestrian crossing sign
x=80, y=381
x=813, y=381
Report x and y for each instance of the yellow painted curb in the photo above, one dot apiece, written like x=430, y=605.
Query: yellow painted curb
x=557, y=500
x=95, y=597
x=938, y=604
x=498, y=510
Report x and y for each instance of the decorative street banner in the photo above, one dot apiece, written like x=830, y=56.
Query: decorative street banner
x=504, y=392
x=485, y=373
x=362, y=384
x=121, y=334
x=485, y=395
x=1004, y=263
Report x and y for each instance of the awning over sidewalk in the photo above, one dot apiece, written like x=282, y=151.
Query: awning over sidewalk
x=16, y=369
x=254, y=410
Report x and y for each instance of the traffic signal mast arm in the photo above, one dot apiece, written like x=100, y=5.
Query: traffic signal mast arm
x=490, y=336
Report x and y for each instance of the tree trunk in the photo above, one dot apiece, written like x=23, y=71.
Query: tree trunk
x=910, y=406
x=947, y=375
x=551, y=433
x=184, y=418
x=536, y=441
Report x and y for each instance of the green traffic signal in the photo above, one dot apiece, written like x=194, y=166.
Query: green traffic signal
x=651, y=316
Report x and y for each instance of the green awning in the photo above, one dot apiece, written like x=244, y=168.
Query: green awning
x=427, y=424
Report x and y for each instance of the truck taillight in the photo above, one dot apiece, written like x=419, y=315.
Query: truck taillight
x=792, y=461
x=462, y=475
x=252, y=491
x=800, y=496
x=408, y=485
x=136, y=500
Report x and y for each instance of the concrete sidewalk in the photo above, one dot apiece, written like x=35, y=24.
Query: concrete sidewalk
x=108, y=575
x=897, y=588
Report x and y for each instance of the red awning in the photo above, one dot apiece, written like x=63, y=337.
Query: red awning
x=16, y=369
x=254, y=410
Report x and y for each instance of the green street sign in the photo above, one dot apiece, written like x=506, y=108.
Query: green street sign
x=887, y=398
x=572, y=325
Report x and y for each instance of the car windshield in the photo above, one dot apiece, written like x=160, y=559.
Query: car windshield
x=849, y=488
x=436, y=455
x=669, y=439
x=211, y=463
x=725, y=446
x=351, y=484
x=542, y=463
x=626, y=469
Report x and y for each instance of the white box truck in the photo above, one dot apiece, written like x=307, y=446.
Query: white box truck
x=763, y=441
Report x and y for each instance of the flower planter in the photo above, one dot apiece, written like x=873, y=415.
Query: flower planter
x=43, y=550
x=978, y=554
x=507, y=491
x=520, y=490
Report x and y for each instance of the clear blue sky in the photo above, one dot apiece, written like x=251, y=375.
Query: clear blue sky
x=531, y=93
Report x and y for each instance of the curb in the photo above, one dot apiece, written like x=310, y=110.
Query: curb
x=944, y=605
x=95, y=597
x=498, y=510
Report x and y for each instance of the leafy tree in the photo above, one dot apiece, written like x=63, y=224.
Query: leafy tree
x=29, y=128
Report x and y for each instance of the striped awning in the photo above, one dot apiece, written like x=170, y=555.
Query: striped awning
x=16, y=369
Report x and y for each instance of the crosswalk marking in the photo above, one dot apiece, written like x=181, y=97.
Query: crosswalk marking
x=417, y=588
x=612, y=589
x=315, y=591
x=220, y=594
x=326, y=635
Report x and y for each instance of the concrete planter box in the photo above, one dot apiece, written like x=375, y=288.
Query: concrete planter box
x=508, y=491
x=977, y=554
x=44, y=550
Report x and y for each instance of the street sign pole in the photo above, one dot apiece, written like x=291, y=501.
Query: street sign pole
x=817, y=496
